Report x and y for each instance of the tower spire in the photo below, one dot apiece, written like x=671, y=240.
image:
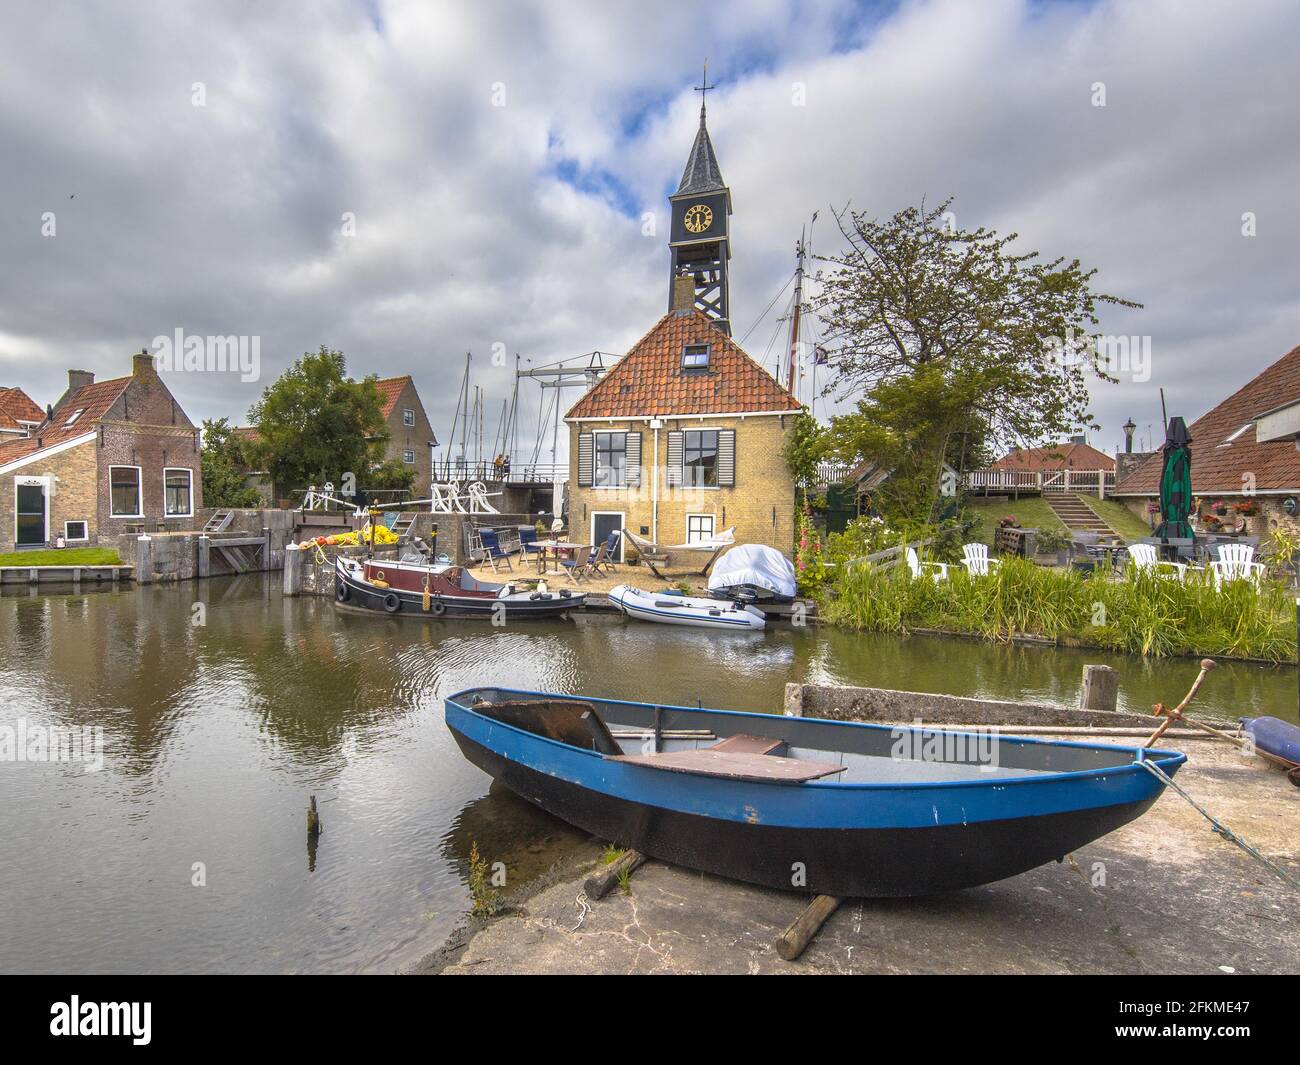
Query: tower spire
x=703, y=89
x=700, y=238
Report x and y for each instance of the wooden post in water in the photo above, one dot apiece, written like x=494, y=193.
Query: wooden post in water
x=204, y=563
x=313, y=820
x=293, y=570
x=1100, y=689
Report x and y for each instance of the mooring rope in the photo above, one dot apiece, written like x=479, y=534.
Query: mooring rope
x=1218, y=826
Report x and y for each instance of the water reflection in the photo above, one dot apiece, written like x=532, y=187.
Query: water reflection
x=217, y=734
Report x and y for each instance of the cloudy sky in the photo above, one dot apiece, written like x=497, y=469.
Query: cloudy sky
x=201, y=163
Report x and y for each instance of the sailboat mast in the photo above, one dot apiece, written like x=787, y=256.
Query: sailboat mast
x=798, y=309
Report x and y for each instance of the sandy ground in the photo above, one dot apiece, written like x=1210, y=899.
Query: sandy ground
x=1162, y=895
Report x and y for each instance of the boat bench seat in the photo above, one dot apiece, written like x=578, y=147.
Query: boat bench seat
x=743, y=743
x=732, y=765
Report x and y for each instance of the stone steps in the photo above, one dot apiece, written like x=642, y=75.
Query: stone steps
x=1075, y=514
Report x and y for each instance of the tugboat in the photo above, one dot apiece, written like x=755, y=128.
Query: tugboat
x=417, y=588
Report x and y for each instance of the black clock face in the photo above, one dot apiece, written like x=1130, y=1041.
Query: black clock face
x=698, y=218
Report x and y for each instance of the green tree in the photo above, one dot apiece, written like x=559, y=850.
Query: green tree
x=223, y=463
x=316, y=424
x=393, y=474
x=950, y=342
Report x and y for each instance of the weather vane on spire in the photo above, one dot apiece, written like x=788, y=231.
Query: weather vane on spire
x=703, y=89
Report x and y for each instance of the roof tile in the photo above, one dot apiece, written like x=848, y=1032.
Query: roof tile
x=649, y=380
x=1219, y=466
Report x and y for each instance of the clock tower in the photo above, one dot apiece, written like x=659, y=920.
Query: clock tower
x=700, y=237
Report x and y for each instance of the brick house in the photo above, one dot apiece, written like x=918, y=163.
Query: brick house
x=113, y=456
x=683, y=438
x=410, y=436
x=1051, y=458
x=1244, y=454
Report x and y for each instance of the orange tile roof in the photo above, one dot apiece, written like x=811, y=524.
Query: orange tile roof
x=390, y=388
x=1218, y=465
x=649, y=380
x=1056, y=457
x=15, y=406
x=93, y=401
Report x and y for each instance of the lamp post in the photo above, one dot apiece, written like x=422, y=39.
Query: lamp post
x=1129, y=428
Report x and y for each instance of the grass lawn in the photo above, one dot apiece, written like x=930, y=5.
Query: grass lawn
x=1030, y=511
x=1033, y=513
x=69, y=556
x=1119, y=517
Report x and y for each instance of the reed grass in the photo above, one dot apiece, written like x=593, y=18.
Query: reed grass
x=1144, y=614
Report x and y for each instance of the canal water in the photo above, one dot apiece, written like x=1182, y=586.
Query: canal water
x=224, y=706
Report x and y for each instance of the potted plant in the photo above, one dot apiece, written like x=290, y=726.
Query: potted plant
x=1053, y=542
x=1219, y=507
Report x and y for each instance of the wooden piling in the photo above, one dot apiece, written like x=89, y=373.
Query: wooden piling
x=598, y=885
x=1100, y=689
x=313, y=820
x=795, y=939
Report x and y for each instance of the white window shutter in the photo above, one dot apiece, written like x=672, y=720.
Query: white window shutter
x=632, y=465
x=726, y=458
x=675, y=448
x=586, y=458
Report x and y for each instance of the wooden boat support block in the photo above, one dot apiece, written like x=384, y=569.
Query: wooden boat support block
x=711, y=762
x=795, y=939
x=598, y=885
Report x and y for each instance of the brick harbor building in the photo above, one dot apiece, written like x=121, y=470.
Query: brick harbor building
x=112, y=457
x=410, y=435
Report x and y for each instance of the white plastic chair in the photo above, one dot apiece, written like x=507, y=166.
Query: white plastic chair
x=975, y=557
x=1235, y=563
x=936, y=570
x=1145, y=556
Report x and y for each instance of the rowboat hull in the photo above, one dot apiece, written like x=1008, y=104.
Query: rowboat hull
x=885, y=840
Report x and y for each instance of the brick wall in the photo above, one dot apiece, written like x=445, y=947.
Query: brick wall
x=412, y=438
x=761, y=505
x=152, y=448
x=70, y=494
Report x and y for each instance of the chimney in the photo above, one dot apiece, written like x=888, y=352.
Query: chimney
x=142, y=365
x=79, y=379
x=683, y=294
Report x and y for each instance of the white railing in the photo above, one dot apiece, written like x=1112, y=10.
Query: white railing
x=1001, y=480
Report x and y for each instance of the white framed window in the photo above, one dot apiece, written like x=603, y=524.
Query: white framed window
x=408, y=417
x=408, y=457
x=699, y=528
x=178, y=492
x=611, y=460
x=74, y=531
x=74, y=416
x=125, y=495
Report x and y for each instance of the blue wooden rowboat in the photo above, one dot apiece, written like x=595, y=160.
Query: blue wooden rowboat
x=839, y=808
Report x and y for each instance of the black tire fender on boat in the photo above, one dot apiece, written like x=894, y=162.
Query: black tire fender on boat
x=341, y=591
x=437, y=608
x=392, y=602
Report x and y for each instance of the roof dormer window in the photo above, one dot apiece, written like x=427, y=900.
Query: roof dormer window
x=695, y=357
